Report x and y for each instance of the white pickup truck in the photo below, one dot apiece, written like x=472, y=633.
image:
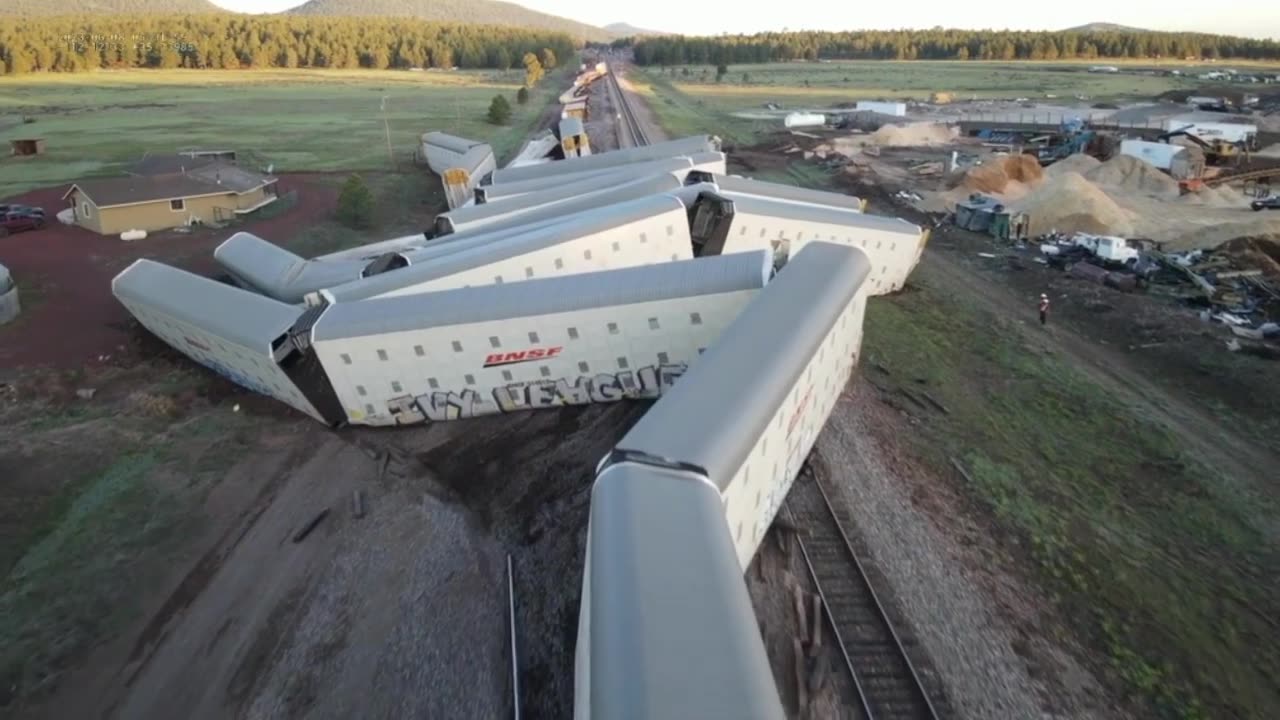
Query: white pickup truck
x=1107, y=247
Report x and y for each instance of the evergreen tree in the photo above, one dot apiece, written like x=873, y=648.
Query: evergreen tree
x=355, y=203
x=522, y=95
x=499, y=110
x=548, y=58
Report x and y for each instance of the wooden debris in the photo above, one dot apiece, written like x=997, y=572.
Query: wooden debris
x=956, y=464
x=815, y=639
x=357, y=503
x=311, y=525
x=802, y=621
x=934, y=401
x=802, y=684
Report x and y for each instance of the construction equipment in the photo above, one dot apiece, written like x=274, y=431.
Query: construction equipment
x=986, y=215
x=1216, y=152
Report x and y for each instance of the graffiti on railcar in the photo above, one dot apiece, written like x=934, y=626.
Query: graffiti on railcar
x=646, y=382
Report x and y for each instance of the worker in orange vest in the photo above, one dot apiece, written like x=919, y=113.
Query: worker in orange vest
x=1044, y=308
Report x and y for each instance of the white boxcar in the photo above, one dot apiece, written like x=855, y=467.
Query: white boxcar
x=573, y=138
x=657, y=151
x=725, y=225
x=592, y=179
x=593, y=337
x=736, y=186
x=1176, y=160
x=277, y=273
x=750, y=411
x=461, y=179
x=442, y=150
x=646, y=231
x=883, y=108
x=240, y=335
x=549, y=203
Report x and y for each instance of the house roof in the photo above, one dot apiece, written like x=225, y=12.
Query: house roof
x=212, y=178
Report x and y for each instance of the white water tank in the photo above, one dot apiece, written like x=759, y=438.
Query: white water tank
x=133, y=235
x=798, y=119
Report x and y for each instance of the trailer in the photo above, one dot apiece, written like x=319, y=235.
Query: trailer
x=897, y=109
x=572, y=340
x=721, y=224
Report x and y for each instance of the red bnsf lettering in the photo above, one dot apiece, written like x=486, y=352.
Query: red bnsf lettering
x=513, y=358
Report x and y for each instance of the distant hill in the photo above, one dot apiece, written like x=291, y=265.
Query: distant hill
x=489, y=12
x=1101, y=27
x=106, y=7
x=622, y=29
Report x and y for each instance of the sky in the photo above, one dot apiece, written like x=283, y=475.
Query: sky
x=1249, y=18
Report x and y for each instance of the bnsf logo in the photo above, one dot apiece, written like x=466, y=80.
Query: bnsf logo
x=512, y=358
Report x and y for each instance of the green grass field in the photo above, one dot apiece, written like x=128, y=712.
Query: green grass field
x=826, y=84
x=297, y=120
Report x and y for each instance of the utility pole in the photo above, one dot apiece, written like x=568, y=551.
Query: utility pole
x=386, y=124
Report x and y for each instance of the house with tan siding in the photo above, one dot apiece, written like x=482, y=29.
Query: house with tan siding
x=165, y=193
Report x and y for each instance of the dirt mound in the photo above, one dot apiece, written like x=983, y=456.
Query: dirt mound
x=1215, y=197
x=1130, y=174
x=987, y=178
x=913, y=135
x=1023, y=168
x=1078, y=163
x=1069, y=203
x=1211, y=236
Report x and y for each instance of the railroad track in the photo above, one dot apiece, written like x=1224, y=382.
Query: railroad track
x=630, y=123
x=885, y=679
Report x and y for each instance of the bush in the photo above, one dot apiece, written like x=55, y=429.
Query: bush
x=522, y=96
x=355, y=203
x=499, y=110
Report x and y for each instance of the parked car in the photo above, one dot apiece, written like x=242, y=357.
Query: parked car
x=1266, y=203
x=29, y=209
x=17, y=221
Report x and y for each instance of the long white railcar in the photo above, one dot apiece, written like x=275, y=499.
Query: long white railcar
x=678, y=509
x=461, y=179
x=670, y=148
x=535, y=150
x=442, y=150
x=494, y=194
x=238, y=334
x=572, y=340
x=645, y=231
x=277, y=273
x=734, y=186
x=722, y=224
x=547, y=204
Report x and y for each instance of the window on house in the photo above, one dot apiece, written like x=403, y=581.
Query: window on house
x=86, y=209
x=178, y=204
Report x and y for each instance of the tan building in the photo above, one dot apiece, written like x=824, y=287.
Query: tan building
x=170, y=194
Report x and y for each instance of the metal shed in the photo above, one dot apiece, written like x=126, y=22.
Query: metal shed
x=27, y=146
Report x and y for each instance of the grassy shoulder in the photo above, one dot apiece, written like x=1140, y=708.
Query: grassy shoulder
x=296, y=120
x=78, y=562
x=823, y=84
x=1151, y=554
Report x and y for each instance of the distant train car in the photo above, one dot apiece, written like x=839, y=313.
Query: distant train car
x=721, y=224
x=461, y=180
x=441, y=151
x=575, y=108
x=573, y=138
x=645, y=231
x=573, y=340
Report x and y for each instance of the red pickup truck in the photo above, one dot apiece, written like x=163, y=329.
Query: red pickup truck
x=16, y=219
